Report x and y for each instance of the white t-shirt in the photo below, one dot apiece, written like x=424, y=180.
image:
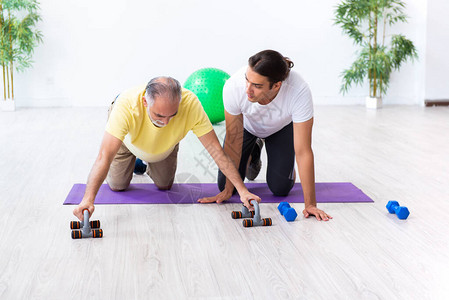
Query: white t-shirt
x=292, y=103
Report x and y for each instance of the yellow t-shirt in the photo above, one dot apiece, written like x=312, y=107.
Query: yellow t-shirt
x=129, y=122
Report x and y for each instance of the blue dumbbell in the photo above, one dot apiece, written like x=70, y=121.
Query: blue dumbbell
x=287, y=211
x=400, y=211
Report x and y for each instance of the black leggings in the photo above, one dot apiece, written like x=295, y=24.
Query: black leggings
x=281, y=160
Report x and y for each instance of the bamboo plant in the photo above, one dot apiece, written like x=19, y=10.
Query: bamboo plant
x=366, y=22
x=18, y=38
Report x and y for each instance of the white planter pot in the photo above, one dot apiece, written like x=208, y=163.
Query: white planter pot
x=373, y=102
x=7, y=105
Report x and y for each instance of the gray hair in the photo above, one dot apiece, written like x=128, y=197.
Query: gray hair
x=163, y=86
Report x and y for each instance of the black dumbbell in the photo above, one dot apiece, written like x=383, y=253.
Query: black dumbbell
x=80, y=224
x=87, y=230
x=245, y=213
x=95, y=233
x=256, y=220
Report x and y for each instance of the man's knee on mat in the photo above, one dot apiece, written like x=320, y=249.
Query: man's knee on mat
x=163, y=185
x=280, y=190
x=164, y=188
x=117, y=187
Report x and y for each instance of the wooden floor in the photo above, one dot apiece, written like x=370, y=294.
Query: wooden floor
x=198, y=251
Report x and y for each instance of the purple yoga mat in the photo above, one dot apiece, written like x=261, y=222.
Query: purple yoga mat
x=188, y=193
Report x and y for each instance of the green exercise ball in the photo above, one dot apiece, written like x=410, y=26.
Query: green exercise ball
x=207, y=84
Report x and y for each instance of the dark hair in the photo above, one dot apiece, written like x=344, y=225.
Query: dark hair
x=271, y=64
x=163, y=86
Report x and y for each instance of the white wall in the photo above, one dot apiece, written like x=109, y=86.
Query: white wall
x=94, y=49
x=437, y=62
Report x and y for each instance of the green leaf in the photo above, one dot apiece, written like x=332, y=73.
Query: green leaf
x=360, y=20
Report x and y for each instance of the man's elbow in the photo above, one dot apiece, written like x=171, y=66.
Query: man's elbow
x=103, y=157
x=304, y=152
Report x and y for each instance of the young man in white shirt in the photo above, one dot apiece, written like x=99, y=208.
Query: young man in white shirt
x=266, y=100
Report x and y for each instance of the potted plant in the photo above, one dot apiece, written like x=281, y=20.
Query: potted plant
x=18, y=38
x=366, y=22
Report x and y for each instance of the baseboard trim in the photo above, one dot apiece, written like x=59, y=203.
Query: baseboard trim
x=442, y=102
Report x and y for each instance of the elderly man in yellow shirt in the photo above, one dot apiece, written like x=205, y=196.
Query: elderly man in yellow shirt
x=148, y=122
